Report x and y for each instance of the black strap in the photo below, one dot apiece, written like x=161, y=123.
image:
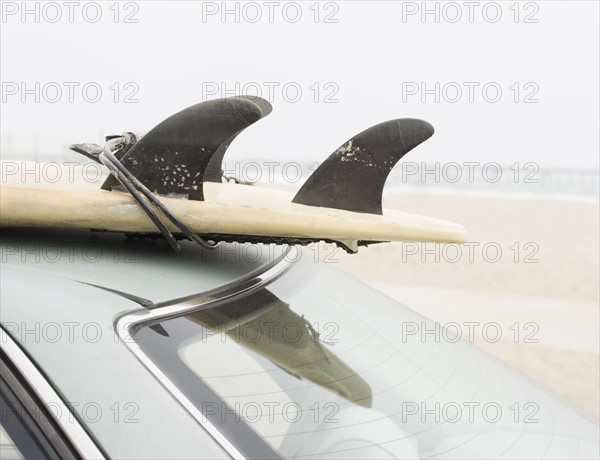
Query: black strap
x=139, y=191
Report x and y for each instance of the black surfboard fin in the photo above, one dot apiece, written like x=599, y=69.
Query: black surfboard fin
x=353, y=176
x=177, y=155
x=214, y=172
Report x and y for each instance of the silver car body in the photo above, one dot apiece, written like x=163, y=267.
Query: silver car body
x=74, y=306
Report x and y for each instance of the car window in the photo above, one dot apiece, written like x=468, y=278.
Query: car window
x=8, y=450
x=21, y=435
x=29, y=429
x=317, y=365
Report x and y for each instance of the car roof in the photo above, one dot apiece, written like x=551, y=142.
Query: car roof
x=66, y=329
x=145, y=268
x=63, y=290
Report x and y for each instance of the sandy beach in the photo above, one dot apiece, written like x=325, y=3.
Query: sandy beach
x=530, y=265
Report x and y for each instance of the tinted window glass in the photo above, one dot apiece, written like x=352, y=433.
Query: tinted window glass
x=8, y=450
x=318, y=365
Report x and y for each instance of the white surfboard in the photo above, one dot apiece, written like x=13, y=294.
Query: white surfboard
x=228, y=209
x=178, y=163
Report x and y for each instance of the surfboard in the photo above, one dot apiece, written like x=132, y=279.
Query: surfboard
x=178, y=165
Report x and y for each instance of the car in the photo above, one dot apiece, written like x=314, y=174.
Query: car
x=117, y=347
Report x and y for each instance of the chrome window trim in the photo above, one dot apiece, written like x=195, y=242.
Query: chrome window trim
x=180, y=307
x=70, y=426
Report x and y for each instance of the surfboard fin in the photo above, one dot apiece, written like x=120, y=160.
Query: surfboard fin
x=186, y=149
x=353, y=176
x=214, y=172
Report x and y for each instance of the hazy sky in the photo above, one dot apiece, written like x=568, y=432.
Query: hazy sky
x=371, y=65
